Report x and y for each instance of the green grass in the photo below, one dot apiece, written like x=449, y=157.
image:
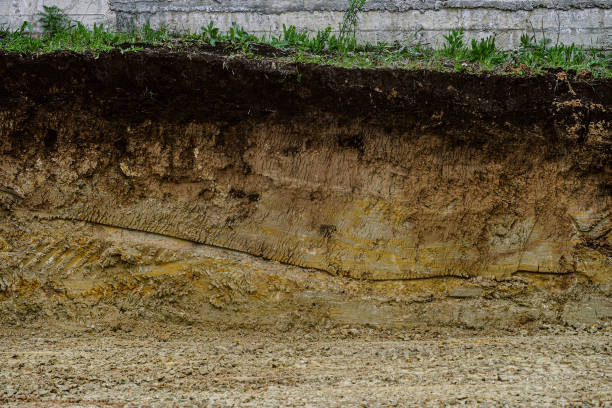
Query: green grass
x=322, y=47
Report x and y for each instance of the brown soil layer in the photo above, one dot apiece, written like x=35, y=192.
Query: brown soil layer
x=204, y=187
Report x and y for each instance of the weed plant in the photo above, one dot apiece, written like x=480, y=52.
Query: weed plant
x=348, y=28
x=326, y=46
x=53, y=20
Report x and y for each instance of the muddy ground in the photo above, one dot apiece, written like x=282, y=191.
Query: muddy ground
x=169, y=366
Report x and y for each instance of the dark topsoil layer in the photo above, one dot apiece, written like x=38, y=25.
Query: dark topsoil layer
x=179, y=87
x=184, y=86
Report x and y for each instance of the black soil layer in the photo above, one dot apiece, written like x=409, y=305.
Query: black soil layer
x=183, y=87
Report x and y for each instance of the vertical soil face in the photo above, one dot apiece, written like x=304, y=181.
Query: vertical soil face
x=199, y=182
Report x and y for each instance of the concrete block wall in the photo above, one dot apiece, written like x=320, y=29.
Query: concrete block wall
x=14, y=12
x=585, y=22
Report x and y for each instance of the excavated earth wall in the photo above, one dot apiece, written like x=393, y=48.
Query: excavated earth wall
x=198, y=187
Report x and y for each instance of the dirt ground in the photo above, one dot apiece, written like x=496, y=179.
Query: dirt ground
x=90, y=367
